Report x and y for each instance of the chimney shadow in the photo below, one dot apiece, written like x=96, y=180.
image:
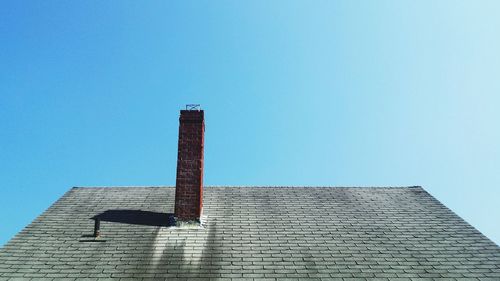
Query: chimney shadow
x=137, y=217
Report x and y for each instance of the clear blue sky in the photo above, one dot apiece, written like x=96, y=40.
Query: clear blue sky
x=344, y=93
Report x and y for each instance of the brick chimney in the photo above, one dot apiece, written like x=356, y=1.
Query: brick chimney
x=189, y=182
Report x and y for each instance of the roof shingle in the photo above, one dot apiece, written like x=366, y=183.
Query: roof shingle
x=252, y=233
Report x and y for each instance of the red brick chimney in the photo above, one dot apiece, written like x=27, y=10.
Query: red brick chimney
x=189, y=182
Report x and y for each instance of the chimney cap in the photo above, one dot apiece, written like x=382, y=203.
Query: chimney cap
x=193, y=107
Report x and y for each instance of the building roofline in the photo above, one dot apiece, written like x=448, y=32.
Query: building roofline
x=258, y=186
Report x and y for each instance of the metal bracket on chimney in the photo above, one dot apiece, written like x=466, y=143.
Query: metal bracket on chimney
x=193, y=107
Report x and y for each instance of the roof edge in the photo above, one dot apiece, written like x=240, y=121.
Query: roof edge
x=254, y=186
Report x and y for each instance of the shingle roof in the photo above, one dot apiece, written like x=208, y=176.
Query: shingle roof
x=252, y=233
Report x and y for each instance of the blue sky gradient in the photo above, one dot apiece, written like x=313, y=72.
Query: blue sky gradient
x=343, y=93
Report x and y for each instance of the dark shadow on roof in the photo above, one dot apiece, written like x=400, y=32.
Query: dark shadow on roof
x=137, y=217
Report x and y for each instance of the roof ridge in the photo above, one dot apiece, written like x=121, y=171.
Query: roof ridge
x=251, y=186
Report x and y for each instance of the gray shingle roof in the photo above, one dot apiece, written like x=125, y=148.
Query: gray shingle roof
x=250, y=233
